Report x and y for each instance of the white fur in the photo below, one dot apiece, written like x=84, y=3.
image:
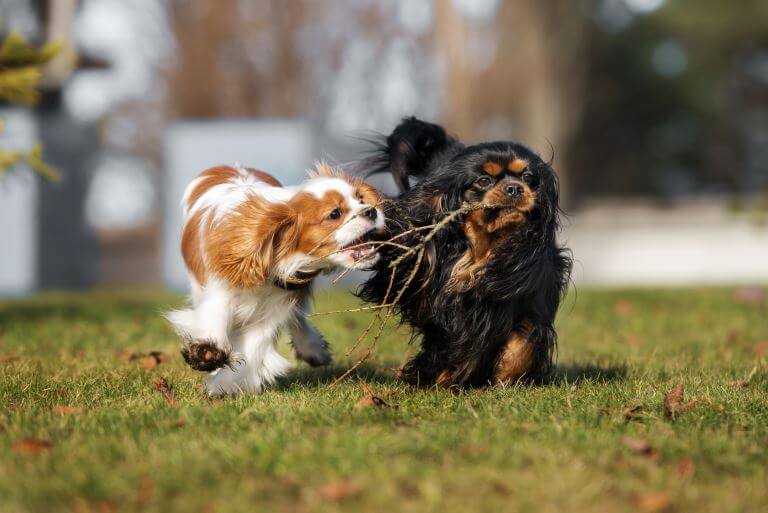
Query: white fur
x=247, y=323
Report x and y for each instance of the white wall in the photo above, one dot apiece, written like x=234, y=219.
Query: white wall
x=283, y=148
x=18, y=209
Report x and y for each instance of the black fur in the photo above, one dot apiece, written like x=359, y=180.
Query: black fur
x=521, y=285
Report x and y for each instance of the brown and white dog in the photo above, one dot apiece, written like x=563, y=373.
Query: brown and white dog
x=252, y=249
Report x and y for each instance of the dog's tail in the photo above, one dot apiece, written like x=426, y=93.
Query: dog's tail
x=409, y=151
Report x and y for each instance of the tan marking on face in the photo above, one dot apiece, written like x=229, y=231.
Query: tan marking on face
x=318, y=233
x=485, y=229
x=191, y=249
x=368, y=194
x=517, y=165
x=516, y=359
x=492, y=168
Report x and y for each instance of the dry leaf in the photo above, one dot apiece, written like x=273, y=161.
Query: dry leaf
x=339, y=490
x=67, y=410
x=640, y=447
x=31, y=446
x=635, y=411
x=685, y=468
x=761, y=349
x=144, y=490
x=741, y=383
x=165, y=388
x=8, y=358
x=148, y=360
x=673, y=400
x=373, y=401
x=749, y=295
x=623, y=308
x=653, y=502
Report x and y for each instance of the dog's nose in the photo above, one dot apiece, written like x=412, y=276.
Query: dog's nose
x=370, y=213
x=514, y=190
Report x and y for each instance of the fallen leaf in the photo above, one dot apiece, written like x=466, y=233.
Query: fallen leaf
x=749, y=295
x=761, y=349
x=338, y=491
x=67, y=410
x=653, y=502
x=741, y=383
x=8, y=358
x=161, y=385
x=144, y=490
x=640, y=447
x=685, y=468
x=31, y=446
x=373, y=401
x=176, y=423
x=147, y=360
x=673, y=400
x=623, y=308
x=634, y=411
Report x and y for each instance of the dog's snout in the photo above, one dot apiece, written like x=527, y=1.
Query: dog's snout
x=514, y=190
x=370, y=213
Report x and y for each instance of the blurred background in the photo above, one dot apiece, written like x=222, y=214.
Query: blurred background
x=655, y=112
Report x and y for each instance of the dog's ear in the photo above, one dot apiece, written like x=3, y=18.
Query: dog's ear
x=410, y=150
x=245, y=246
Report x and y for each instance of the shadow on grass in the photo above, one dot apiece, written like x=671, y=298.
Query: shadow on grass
x=577, y=373
x=322, y=376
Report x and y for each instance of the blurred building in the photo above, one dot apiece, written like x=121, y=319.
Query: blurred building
x=663, y=102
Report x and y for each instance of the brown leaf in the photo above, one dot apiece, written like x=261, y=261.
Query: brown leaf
x=144, y=490
x=67, y=410
x=8, y=358
x=31, y=446
x=749, y=295
x=653, y=502
x=673, y=400
x=640, y=447
x=373, y=401
x=685, y=468
x=634, y=411
x=338, y=491
x=761, y=348
x=147, y=360
x=623, y=308
x=161, y=385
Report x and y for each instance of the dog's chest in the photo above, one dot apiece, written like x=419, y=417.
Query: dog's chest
x=265, y=306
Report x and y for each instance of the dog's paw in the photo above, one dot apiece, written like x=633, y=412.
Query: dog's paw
x=204, y=356
x=315, y=354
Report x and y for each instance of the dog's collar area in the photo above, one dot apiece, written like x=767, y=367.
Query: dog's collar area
x=297, y=281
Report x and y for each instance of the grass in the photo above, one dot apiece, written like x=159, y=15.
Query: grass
x=596, y=439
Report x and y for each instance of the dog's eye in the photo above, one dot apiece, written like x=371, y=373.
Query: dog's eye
x=335, y=214
x=529, y=178
x=484, y=182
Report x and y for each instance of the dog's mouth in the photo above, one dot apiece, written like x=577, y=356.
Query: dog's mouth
x=360, y=249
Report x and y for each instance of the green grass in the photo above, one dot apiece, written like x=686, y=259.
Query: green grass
x=303, y=446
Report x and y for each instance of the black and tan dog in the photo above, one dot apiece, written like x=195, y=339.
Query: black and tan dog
x=486, y=293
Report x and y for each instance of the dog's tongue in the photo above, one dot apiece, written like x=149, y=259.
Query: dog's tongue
x=359, y=252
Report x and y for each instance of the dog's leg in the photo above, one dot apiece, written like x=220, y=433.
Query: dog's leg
x=517, y=358
x=205, y=328
x=308, y=343
x=257, y=363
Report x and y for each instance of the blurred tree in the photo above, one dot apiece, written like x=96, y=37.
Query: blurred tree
x=676, y=102
x=20, y=75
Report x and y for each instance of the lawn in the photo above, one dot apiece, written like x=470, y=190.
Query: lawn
x=85, y=428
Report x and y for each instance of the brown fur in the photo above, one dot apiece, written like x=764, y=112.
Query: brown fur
x=493, y=168
x=191, y=249
x=485, y=230
x=516, y=359
x=517, y=165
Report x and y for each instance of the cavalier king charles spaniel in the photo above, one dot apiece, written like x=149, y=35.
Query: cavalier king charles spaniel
x=252, y=249
x=486, y=292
